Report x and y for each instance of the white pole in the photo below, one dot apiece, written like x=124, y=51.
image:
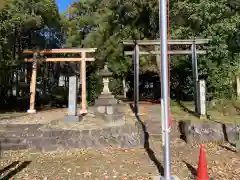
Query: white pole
x=164, y=86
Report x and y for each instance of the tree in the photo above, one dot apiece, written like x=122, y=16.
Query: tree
x=104, y=24
x=23, y=25
x=219, y=21
x=22, y=21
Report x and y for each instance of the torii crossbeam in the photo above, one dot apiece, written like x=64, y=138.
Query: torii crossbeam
x=82, y=58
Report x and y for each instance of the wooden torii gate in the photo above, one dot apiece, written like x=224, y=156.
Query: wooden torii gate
x=156, y=43
x=82, y=58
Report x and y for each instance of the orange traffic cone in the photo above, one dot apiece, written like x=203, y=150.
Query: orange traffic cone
x=202, y=171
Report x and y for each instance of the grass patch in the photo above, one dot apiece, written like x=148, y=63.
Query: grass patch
x=226, y=112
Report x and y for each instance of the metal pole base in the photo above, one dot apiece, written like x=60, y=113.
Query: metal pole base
x=162, y=178
x=72, y=118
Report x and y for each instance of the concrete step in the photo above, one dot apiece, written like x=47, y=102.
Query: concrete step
x=37, y=143
x=8, y=140
x=13, y=146
x=18, y=133
x=18, y=127
x=18, y=130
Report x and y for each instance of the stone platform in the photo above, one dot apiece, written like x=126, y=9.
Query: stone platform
x=57, y=135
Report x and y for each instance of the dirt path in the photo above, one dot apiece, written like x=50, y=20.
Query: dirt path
x=40, y=117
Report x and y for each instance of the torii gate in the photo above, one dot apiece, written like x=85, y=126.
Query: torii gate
x=83, y=58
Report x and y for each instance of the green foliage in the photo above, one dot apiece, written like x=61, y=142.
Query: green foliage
x=94, y=85
x=219, y=21
x=20, y=25
x=105, y=24
x=116, y=86
x=60, y=94
x=26, y=24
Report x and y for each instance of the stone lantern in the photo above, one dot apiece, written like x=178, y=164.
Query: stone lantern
x=106, y=74
x=106, y=97
x=107, y=105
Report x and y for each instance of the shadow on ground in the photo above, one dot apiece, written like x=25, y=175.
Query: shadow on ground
x=182, y=129
x=228, y=148
x=18, y=166
x=141, y=101
x=191, y=169
x=147, y=147
x=184, y=108
x=226, y=139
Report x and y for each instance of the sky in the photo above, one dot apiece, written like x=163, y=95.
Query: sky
x=64, y=4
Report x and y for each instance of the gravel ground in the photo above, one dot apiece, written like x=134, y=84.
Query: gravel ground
x=41, y=117
x=137, y=164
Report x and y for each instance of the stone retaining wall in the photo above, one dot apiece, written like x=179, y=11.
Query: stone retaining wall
x=208, y=132
x=13, y=137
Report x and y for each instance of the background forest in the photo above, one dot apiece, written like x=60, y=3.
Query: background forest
x=104, y=24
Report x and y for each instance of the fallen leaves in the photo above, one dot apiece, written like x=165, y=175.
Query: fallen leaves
x=87, y=174
x=128, y=164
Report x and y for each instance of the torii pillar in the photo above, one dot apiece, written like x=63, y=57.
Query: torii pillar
x=83, y=105
x=33, y=84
